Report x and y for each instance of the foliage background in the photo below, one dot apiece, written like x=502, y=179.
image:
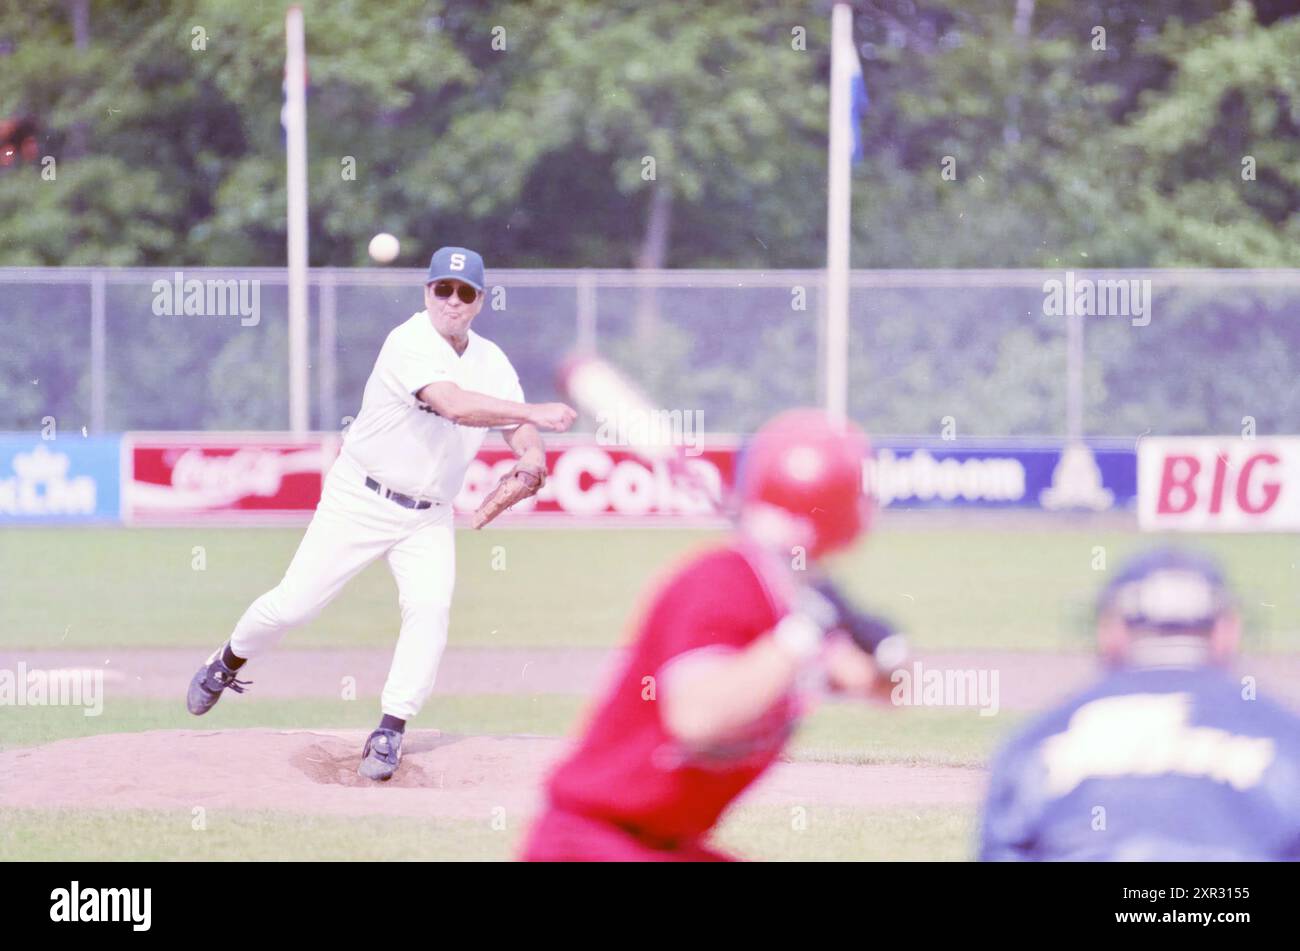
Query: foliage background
x=1067, y=157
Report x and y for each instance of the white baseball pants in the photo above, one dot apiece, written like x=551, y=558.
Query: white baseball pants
x=352, y=527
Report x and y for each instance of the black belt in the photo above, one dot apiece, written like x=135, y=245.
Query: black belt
x=405, y=501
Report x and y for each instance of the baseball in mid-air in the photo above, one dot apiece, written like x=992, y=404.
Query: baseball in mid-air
x=384, y=247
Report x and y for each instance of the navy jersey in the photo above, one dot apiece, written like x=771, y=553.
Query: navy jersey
x=1150, y=765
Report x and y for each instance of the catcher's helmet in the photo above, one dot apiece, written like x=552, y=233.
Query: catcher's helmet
x=807, y=465
x=1167, y=591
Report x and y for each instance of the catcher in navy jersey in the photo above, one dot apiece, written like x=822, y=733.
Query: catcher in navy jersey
x=1168, y=757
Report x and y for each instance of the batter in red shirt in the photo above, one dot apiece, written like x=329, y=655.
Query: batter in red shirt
x=706, y=699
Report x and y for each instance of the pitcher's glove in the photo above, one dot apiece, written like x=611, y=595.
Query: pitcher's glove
x=521, y=482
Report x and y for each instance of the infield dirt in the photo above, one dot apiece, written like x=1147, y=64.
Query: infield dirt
x=442, y=775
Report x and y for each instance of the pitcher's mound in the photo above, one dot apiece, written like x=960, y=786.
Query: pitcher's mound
x=296, y=771
x=315, y=771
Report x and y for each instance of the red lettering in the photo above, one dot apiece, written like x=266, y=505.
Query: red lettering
x=1177, y=480
x=1220, y=476
x=1271, y=489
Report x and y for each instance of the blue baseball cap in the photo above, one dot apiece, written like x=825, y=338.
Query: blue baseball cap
x=1169, y=591
x=456, y=264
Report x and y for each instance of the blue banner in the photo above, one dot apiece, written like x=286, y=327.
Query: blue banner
x=939, y=475
x=67, y=479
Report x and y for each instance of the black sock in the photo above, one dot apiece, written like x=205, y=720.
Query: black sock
x=392, y=723
x=230, y=660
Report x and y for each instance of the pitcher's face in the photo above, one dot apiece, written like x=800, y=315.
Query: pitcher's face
x=452, y=306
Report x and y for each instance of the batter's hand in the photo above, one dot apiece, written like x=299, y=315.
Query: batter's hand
x=553, y=417
x=872, y=634
x=849, y=670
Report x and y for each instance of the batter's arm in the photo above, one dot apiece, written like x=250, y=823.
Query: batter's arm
x=707, y=696
x=710, y=695
x=469, y=408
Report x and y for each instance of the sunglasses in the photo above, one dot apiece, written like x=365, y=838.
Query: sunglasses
x=442, y=290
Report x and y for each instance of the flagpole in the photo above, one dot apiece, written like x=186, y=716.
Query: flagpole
x=837, y=215
x=295, y=115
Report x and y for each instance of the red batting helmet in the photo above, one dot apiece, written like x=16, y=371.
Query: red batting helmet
x=809, y=466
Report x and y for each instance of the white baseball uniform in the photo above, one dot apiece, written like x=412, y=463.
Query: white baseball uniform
x=405, y=447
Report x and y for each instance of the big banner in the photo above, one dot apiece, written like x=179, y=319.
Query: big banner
x=1226, y=484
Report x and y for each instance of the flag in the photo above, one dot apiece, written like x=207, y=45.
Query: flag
x=858, y=100
x=284, y=99
x=848, y=104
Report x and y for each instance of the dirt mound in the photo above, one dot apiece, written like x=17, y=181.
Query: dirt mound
x=294, y=771
x=314, y=772
x=335, y=762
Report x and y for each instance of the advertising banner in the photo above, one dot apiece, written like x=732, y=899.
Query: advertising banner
x=939, y=475
x=1226, y=484
x=248, y=478
x=608, y=481
x=224, y=477
x=592, y=480
x=65, y=479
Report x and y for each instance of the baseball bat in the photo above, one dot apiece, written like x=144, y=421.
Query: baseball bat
x=599, y=389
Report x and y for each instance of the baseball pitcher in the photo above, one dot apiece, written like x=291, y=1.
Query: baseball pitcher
x=437, y=387
x=712, y=687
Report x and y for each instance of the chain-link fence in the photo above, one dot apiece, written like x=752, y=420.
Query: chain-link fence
x=975, y=353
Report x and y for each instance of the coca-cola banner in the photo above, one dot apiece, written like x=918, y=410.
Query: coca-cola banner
x=229, y=478
x=597, y=481
x=238, y=478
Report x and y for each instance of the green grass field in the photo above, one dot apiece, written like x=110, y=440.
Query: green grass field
x=961, y=588
x=955, y=589
x=821, y=834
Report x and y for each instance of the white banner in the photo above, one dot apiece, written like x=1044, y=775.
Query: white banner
x=1219, y=484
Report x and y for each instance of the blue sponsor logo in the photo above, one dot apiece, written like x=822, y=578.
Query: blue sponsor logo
x=68, y=479
x=1060, y=478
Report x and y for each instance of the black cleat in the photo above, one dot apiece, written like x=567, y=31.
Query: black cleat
x=382, y=754
x=206, y=686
